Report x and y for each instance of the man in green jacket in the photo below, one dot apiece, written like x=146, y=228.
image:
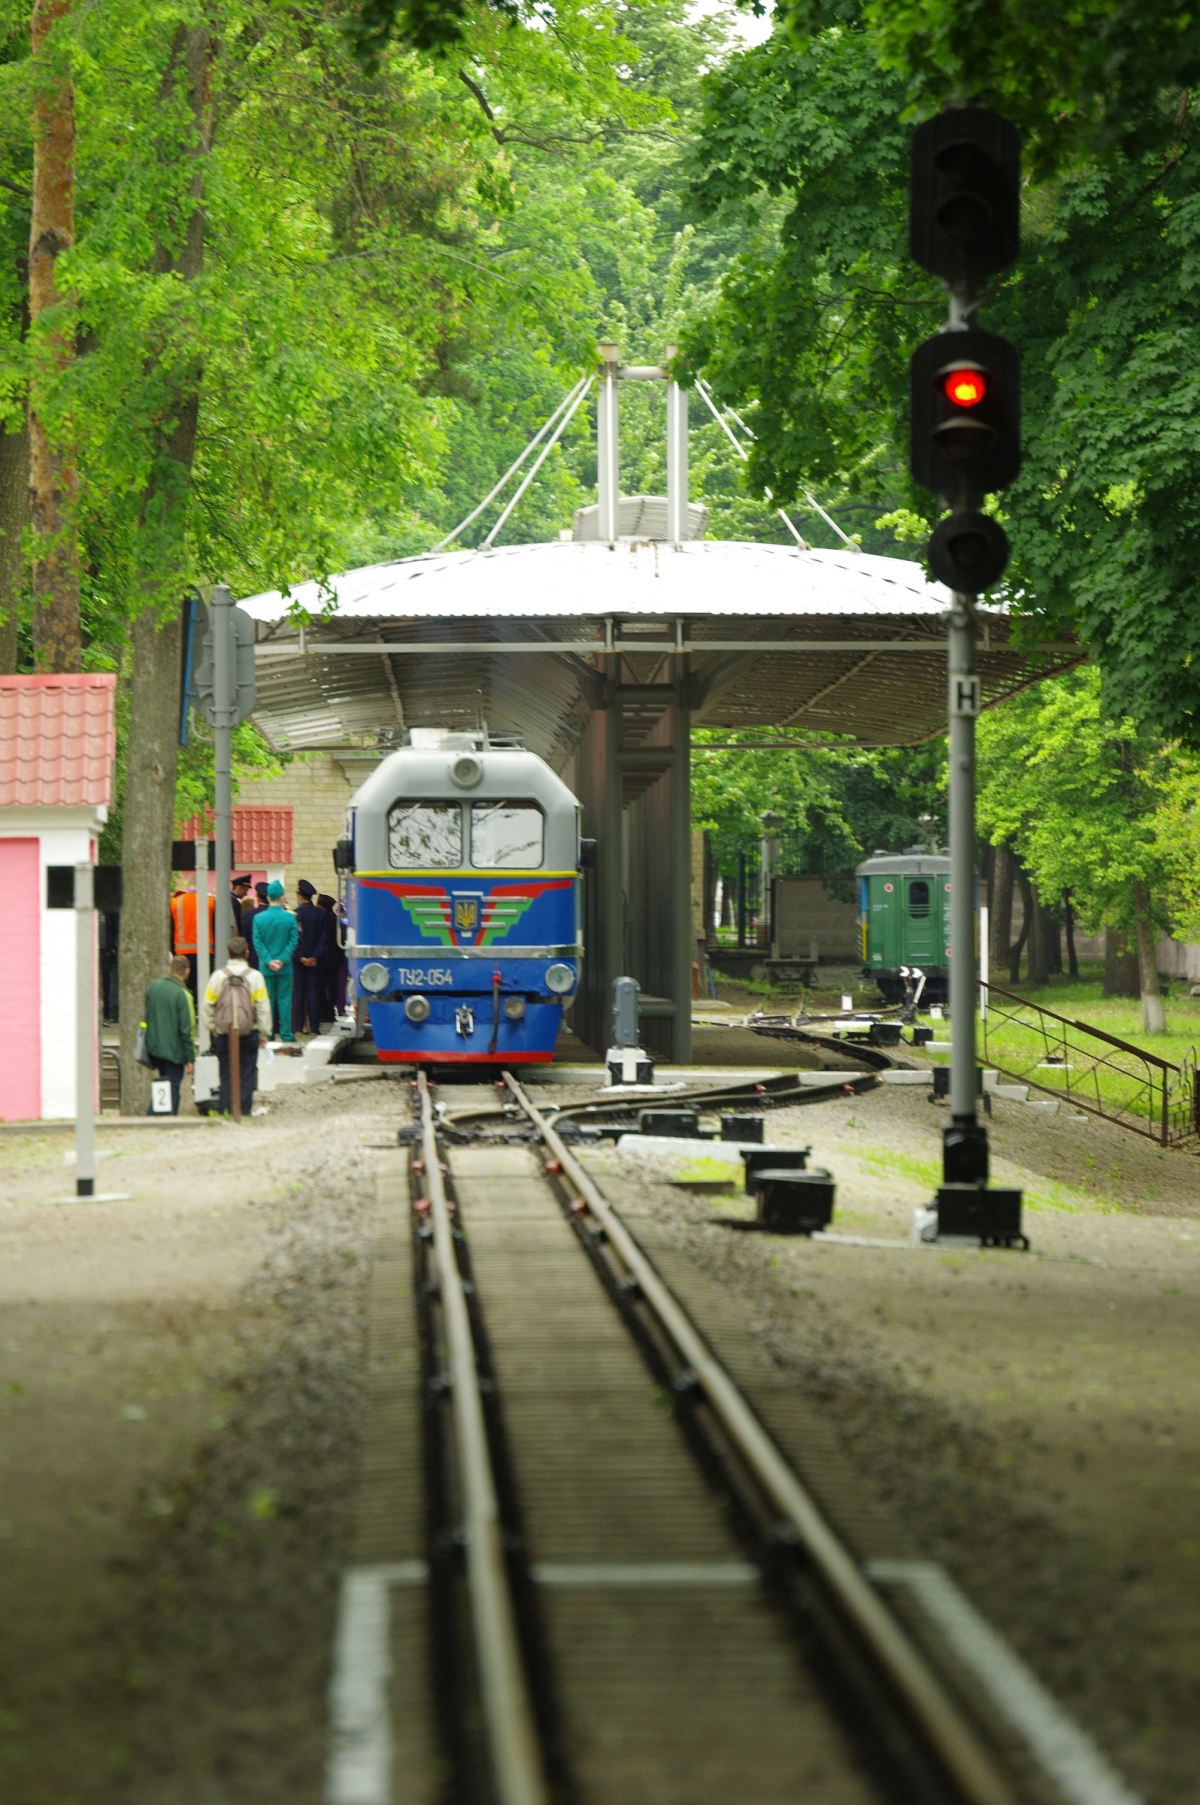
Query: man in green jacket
x=275, y=937
x=169, y=1032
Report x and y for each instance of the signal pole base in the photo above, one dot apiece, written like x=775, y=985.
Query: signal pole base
x=967, y=1207
x=983, y=1212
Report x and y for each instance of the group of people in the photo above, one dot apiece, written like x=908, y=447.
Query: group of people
x=290, y=973
x=301, y=954
x=243, y=1008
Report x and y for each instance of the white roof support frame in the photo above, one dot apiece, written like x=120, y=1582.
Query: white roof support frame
x=608, y=444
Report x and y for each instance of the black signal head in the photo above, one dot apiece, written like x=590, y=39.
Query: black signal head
x=965, y=415
x=965, y=220
x=968, y=552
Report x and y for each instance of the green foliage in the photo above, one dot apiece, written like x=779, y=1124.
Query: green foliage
x=836, y=806
x=1070, y=75
x=816, y=319
x=816, y=324
x=1091, y=803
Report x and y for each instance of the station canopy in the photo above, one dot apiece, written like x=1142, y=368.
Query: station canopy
x=520, y=638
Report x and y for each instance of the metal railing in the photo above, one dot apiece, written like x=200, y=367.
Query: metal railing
x=1090, y=1068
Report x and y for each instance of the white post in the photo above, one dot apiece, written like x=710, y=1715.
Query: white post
x=984, y=968
x=608, y=449
x=85, y=1035
x=202, y=968
x=677, y=459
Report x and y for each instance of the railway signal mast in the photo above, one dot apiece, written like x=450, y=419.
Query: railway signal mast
x=966, y=444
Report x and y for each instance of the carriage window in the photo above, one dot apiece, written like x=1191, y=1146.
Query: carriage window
x=918, y=898
x=506, y=834
x=422, y=834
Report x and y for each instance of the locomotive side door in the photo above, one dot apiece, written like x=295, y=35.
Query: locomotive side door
x=919, y=929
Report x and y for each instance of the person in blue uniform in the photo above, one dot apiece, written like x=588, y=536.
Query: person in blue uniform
x=238, y=890
x=313, y=924
x=333, y=960
x=254, y=900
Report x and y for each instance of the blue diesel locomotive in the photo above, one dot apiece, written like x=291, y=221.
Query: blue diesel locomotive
x=461, y=885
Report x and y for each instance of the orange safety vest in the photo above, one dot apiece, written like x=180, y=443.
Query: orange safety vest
x=183, y=921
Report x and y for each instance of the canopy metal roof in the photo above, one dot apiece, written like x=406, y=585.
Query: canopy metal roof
x=520, y=637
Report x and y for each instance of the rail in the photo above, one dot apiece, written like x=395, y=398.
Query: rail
x=944, y=1729
x=1090, y=1068
x=508, y=1715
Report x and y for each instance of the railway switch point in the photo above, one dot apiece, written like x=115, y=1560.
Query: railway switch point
x=683, y=1124
x=627, y=1062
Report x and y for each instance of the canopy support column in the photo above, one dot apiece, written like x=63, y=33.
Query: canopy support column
x=611, y=871
x=608, y=449
x=677, y=461
x=683, y=949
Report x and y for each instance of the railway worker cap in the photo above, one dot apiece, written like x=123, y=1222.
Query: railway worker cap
x=240, y=883
x=307, y=890
x=261, y=890
x=275, y=891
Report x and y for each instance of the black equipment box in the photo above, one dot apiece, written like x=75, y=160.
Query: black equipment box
x=741, y=1128
x=683, y=1123
x=941, y=1081
x=994, y=1214
x=792, y=1202
x=885, y=1034
x=777, y=1159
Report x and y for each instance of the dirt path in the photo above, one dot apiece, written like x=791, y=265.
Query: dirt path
x=179, y=1382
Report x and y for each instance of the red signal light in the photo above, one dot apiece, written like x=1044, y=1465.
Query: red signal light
x=965, y=388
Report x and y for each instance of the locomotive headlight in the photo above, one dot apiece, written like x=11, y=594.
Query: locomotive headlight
x=514, y=1008
x=373, y=976
x=417, y=1009
x=466, y=772
x=560, y=979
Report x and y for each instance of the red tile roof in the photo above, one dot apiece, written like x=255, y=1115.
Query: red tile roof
x=261, y=836
x=58, y=740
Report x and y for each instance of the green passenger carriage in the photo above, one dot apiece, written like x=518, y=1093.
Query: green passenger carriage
x=904, y=917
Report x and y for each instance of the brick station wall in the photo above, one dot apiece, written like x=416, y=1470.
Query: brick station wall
x=317, y=786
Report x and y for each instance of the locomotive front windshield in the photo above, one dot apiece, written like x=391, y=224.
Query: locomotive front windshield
x=505, y=835
x=425, y=835
x=501, y=836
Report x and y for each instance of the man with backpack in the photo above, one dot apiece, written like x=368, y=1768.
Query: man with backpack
x=236, y=1006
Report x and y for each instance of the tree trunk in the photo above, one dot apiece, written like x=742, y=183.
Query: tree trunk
x=1039, y=950
x=1120, y=966
x=1000, y=908
x=53, y=480
x=1154, y=1016
x=1027, y=910
x=148, y=816
x=14, y=515
x=162, y=576
x=1069, y=927
x=1053, y=941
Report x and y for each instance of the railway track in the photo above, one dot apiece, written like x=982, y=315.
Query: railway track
x=632, y=1595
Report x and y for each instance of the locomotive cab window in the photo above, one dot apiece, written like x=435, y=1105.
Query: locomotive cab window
x=424, y=834
x=918, y=899
x=506, y=835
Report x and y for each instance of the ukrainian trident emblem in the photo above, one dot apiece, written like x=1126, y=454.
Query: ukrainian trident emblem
x=466, y=915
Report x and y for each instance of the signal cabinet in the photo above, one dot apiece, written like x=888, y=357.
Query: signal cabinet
x=904, y=920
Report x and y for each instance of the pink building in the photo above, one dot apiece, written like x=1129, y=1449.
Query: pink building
x=57, y=758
